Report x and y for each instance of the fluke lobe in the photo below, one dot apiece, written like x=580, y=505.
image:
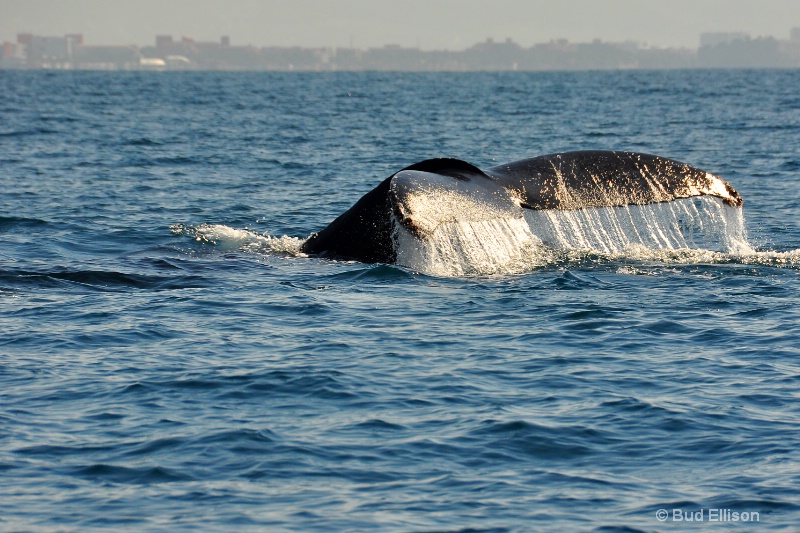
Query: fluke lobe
x=423, y=196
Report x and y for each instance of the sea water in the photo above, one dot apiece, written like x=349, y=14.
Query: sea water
x=169, y=361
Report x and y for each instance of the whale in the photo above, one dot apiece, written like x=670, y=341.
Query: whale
x=421, y=197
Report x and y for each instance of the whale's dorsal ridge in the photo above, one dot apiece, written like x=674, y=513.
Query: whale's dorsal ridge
x=446, y=166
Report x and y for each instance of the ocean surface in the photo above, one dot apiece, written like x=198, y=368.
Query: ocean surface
x=169, y=361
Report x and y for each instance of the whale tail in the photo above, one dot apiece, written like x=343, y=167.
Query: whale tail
x=435, y=194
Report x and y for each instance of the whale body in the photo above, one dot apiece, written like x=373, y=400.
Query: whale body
x=420, y=198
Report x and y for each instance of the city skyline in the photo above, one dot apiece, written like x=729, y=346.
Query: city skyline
x=426, y=25
x=717, y=50
x=78, y=38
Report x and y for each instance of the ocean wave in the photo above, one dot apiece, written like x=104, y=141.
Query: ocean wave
x=99, y=280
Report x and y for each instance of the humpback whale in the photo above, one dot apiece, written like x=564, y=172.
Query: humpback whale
x=422, y=197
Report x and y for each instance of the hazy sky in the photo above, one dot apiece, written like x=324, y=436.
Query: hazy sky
x=428, y=24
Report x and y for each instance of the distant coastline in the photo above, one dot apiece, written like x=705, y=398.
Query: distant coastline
x=716, y=50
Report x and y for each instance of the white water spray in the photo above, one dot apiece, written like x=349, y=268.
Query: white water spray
x=227, y=238
x=512, y=245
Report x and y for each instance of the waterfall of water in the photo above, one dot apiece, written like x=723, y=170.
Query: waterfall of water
x=505, y=245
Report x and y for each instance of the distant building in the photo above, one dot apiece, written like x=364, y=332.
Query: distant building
x=715, y=39
x=188, y=54
x=49, y=52
x=106, y=58
x=163, y=41
x=791, y=49
x=66, y=53
x=13, y=56
x=762, y=52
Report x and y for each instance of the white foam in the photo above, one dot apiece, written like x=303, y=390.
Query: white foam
x=230, y=239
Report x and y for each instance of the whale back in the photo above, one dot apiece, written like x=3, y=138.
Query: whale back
x=576, y=180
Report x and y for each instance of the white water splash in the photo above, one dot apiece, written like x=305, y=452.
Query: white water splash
x=691, y=229
x=693, y=223
x=230, y=239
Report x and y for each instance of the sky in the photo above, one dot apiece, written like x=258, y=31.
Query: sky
x=425, y=24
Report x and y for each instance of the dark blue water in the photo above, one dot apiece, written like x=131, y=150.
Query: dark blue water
x=168, y=362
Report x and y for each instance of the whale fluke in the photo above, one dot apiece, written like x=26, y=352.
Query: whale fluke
x=427, y=195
